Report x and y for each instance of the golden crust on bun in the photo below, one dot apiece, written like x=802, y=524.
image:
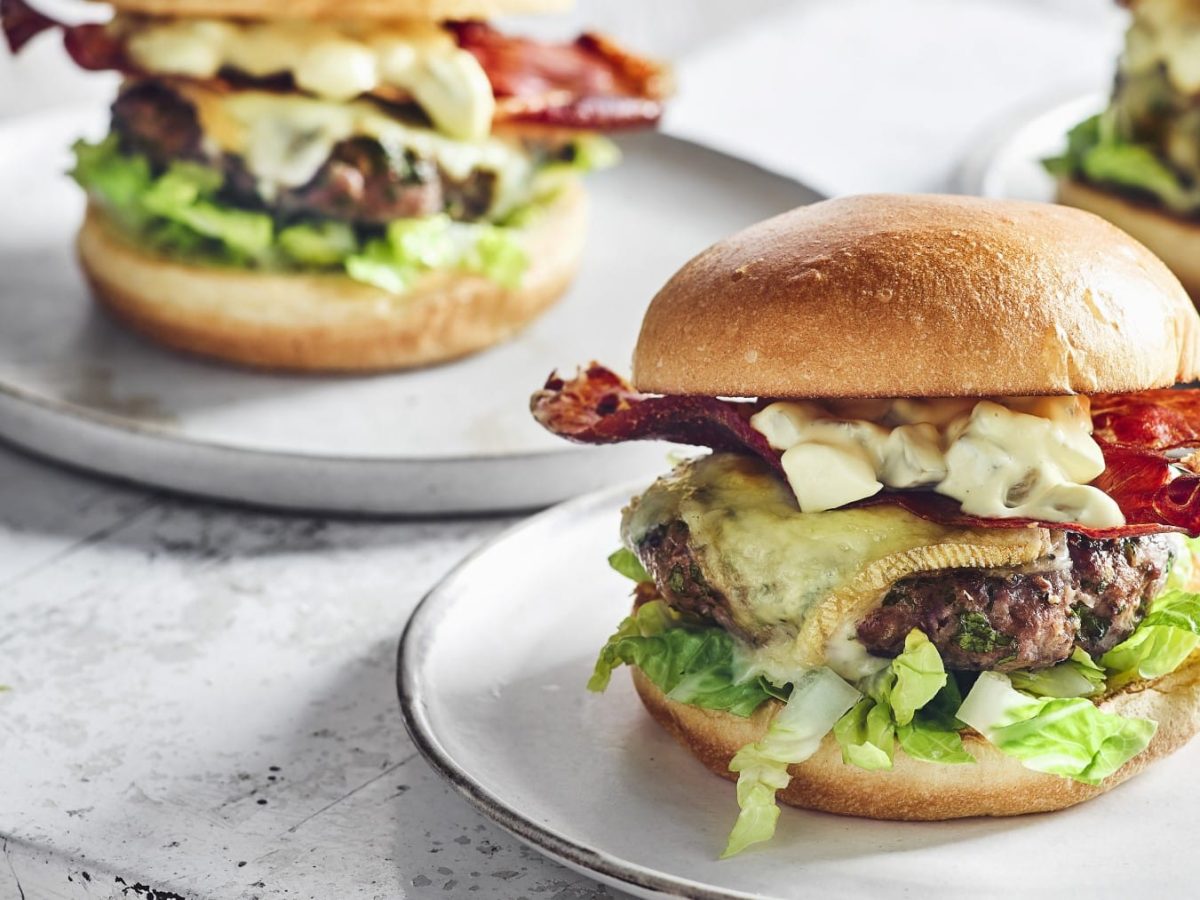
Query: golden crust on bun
x=920, y=296
x=996, y=785
x=327, y=322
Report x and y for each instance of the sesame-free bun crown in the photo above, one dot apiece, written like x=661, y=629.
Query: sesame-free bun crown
x=920, y=296
x=347, y=10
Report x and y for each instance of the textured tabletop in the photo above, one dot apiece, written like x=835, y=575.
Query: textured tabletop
x=201, y=701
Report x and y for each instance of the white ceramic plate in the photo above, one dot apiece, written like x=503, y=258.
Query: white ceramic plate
x=455, y=438
x=1007, y=164
x=491, y=677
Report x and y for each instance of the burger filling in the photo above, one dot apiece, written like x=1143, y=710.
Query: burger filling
x=893, y=632
x=382, y=151
x=904, y=573
x=1146, y=144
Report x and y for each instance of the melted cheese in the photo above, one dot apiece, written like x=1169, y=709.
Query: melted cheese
x=333, y=62
x=1011, y=458
x=795, y=580
x=284, y=139
x=1167, y=33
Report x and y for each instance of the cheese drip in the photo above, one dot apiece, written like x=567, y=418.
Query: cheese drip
x=796, y=583
x=1009, y=458
x=333, y=62
x=284, y=139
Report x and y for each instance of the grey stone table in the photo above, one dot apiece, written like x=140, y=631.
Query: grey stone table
x=200, y=703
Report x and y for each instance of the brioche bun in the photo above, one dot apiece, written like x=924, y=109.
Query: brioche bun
x=920, y=296
x=345, y=10
x=996, y=785
x=1176, y=241
x=327, y=322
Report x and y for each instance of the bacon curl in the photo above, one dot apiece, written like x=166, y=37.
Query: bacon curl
x=591, y=83
x=1148, y=472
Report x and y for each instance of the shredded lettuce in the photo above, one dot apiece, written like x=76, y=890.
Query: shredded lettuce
x=180, y=211
x=1096, y=152
x=818, y=700
x=414, y=247
x=1160, y=644
x=626, y=562
x=692, y=664
x=1070, y=737
x=319, y=244
x=911, y=702
x=1078, y=676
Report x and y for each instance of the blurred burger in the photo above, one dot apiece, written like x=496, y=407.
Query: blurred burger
x=937, y=563
x=1137, y=163
x=363, y=184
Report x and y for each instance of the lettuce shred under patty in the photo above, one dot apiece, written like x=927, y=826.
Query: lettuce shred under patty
x=1043, y=718
x=179, y=212
x=1097, y=154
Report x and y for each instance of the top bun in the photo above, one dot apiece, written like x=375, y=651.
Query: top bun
x=346, y=10
x=920, y=296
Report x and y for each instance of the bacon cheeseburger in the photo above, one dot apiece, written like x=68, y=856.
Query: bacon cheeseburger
x=939, y=567
x=374, y=187
x=1137, y=163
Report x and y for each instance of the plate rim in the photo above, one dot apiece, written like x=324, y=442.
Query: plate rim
x=971, y=174
x=151, y=431
x=415, y=640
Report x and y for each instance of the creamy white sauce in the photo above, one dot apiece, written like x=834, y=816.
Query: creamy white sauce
x=1165, y=32
x=331, y=61
x=284, y=139
x=1007, y=458
x=847, y=655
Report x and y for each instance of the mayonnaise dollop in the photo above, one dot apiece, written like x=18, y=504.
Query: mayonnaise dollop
x=1016, y=457
x=330, y=61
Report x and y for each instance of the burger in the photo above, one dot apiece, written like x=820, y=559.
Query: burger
x=340, y=184
x=1137, y=163
x=937, y=563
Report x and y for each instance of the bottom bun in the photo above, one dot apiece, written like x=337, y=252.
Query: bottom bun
x=996, y=785
x=324, y=321
x=1174, y=240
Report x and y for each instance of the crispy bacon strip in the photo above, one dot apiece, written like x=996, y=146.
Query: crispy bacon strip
x=21, y=23
x=1156, y=485
x=591, y=83
x=598, y=406
x=91, y=46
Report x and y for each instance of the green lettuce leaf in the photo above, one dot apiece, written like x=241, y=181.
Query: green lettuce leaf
x=1160, y=644
x=934, y=733
x=414, y=247
x=1070, y=737
x=919, y=676
x=818, y=700
x=626, y=563
x=692, y=664
x=1098, y=153
x=866, y=736
x=1078, y=676
x=319, y=244
x=180, y=211
x=913, y=702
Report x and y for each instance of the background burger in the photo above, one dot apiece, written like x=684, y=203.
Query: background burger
x=937, y=565
x=1137, y=163
x=381, y=184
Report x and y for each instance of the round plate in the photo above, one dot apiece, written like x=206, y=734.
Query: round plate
x=455, y=438
x=1007, y=164
x=492, y=669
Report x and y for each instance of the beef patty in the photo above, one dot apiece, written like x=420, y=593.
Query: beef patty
x=363, y=182
x=979, y=619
